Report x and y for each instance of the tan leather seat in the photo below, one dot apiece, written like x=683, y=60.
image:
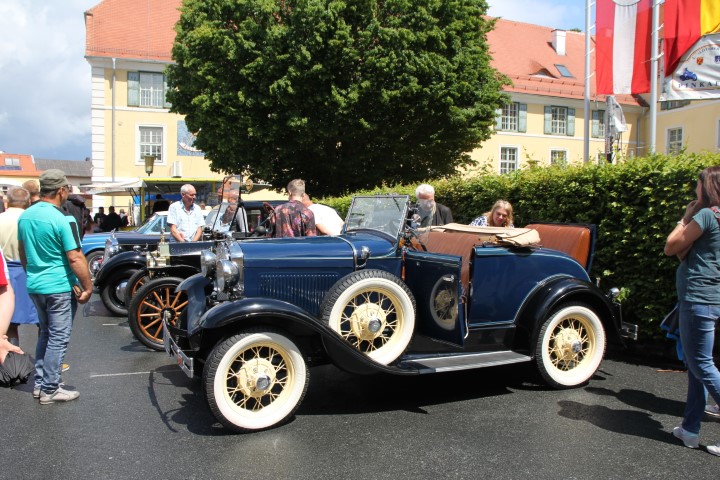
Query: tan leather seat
x=571, y=239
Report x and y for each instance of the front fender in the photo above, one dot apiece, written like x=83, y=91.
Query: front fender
x=122, y=261
x=555, y=292
x=196, y=289
x=247, y=312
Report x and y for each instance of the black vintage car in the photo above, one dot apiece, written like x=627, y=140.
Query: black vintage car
x=165, y=267
x=123, y=267
x=387, y=297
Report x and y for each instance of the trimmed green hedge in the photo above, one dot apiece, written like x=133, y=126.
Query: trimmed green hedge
x=635, y=205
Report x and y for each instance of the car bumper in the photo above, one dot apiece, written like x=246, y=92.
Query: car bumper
x=184, y=361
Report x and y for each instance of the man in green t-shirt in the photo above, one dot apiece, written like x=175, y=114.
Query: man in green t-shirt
x=57, y=279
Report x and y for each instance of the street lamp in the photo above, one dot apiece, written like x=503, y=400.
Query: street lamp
x=149, y=164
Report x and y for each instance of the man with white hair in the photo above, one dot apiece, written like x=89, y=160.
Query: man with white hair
x=184, y=217
x=431, y=213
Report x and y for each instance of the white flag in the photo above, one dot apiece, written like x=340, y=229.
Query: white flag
x=614, y=117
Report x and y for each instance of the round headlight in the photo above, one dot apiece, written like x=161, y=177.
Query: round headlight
x=228, y=275
x=207, y=263
x=113, y=250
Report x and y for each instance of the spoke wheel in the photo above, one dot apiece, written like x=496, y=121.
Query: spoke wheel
x=138, y=279
x=255, y=380
x=154, y=301
x=374, y=311
x=570, y=346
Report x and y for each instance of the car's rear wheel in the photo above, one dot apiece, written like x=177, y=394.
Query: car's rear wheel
x=113, y=293
x=255, y=380
x=134, y=283
x=94, y=261
x=374, y=311
x=570, y=346
x=154, y=301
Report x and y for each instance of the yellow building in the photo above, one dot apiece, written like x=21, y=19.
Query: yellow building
x=129, y=42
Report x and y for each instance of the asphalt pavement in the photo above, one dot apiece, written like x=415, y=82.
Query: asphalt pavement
x=140, y=417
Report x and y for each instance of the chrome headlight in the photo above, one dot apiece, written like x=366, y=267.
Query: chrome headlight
x=228, y=275
x=207, y=262
x=229, y=267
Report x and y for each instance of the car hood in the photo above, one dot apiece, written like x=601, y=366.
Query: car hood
x=308, y=251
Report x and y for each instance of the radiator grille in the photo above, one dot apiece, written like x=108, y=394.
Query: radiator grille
x=304, y=290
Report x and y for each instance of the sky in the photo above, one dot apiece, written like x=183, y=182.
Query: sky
x=45, y=79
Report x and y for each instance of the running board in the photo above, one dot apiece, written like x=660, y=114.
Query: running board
x=462, y=361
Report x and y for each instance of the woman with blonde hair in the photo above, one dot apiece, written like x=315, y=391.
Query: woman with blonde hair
x=500, y=215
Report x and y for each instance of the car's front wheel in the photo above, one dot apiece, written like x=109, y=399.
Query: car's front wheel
x=255, y=380
x=154, y=301
x=94, y=261
x=113, y=292
x=374, y=311
x=570, y=346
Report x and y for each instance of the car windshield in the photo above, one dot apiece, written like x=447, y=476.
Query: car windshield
x=383, y=213
x=153, y=224
x=221, y=218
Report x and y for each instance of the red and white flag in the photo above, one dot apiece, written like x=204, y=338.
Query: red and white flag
x=622, y=52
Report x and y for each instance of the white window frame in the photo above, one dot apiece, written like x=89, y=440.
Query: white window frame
x=672, y=146
x=559, y=120
x=504, y=164
x=139, y=160
x=510, y=119
x=559, y=150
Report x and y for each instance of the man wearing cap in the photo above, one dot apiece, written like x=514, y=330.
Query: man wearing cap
x=57, y=280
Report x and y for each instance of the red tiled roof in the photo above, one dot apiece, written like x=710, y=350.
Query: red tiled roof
x=524, y=53
x=138, y=29
x=144, y=29
x=27, y=166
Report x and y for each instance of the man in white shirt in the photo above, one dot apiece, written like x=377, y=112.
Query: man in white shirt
x=184, y=217
x=327, y=220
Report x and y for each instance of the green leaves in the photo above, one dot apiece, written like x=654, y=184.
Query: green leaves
x=345, y=94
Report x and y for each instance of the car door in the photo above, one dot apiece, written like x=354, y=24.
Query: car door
x=434, y=280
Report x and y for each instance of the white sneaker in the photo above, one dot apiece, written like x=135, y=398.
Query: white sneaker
x=714, y=449
x=691, y=440
x=61, y=395
x=712, y=410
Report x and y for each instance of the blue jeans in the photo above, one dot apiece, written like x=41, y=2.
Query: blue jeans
x=697, y=333
x=56, y=313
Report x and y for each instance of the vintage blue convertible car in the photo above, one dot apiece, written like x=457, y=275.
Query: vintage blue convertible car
x=387, y=297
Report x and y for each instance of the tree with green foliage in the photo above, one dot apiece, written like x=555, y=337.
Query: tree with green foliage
x=346, y=94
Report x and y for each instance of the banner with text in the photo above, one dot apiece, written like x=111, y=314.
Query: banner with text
x=698, y=74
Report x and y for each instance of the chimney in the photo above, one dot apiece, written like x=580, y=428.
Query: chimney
x=558, y=41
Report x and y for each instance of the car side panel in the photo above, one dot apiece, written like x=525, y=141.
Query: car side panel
x=503, y=279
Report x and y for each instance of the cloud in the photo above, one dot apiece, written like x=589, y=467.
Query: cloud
x=45, y=80
x=564, y=14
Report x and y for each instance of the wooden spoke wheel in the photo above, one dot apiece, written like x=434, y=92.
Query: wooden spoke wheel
x=154, y=301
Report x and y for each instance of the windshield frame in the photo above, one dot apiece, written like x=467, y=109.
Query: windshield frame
x=381, y=213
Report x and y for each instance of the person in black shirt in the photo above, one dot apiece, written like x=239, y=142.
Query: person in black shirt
x=112, y=221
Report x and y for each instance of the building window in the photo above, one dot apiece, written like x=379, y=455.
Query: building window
x=558, y=157
x=673, y=104
x=151, y=143
x=564, y=71
x=147, y=89
x=508, y=159
x=512, y=118
x=674, y=140
x=559, y=121
x=598, y=124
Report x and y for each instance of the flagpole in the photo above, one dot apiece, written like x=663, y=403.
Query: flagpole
x=586, y=104
x=654, y=74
